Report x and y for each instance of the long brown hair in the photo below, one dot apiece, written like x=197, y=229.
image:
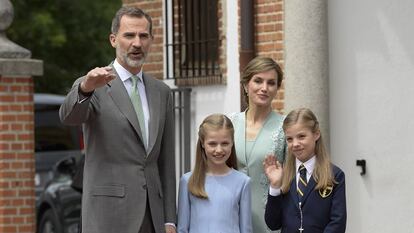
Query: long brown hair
x=323, y=170
x=197, y=180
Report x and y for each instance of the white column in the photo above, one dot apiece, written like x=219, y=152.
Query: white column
x=306, y=59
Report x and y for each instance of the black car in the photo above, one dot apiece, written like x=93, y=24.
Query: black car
x=58, y=150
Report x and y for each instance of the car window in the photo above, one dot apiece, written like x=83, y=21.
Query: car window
x=50, y=133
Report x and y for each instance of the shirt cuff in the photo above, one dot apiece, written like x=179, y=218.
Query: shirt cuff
x=82, y=96
x=170, y=224
x=274, y=192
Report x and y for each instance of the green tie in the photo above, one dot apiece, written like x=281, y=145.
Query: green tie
x=136, y=101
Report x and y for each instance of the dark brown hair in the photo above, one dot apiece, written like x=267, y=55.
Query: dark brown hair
x=259, y=65
x=129, y=11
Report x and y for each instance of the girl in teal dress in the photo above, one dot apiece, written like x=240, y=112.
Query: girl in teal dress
x=215, y=197
x=258, y=131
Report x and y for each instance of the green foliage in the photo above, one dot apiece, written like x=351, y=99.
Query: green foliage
x=70, y=36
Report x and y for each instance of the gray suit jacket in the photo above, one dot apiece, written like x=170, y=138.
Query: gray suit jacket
x=120, y=176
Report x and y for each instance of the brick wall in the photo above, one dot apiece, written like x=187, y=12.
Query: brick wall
x=154, y=64
x=269, y=37
x=17, y=198
x=222, y=41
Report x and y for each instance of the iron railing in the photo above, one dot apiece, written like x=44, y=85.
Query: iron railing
x=192, y=49
x=182, y=118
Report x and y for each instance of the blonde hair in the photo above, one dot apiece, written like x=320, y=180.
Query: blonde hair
x=197, y=180
x=323, y=168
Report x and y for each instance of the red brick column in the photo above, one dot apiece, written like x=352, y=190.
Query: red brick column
x=17, y=166
x=17, y=197
x=154, y=64
x=269, y=38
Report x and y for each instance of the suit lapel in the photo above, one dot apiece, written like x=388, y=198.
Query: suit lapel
x=293, y=192
x=121, y=98
x=154, y=105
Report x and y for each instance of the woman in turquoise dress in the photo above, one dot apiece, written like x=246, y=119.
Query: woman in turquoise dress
x=258, y=131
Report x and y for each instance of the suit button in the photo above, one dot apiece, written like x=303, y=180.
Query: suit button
x=144, y=187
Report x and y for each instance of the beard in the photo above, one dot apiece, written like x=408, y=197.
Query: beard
x=131, y=62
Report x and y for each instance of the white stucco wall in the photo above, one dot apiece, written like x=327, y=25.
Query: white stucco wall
x=371, y=55
x=224, y=98
x=206, y=100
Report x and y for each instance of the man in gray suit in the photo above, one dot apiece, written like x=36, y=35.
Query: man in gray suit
x=127, y=117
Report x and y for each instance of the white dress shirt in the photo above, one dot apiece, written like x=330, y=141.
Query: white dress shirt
x=125, y=76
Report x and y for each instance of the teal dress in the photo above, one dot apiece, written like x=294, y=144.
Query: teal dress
x=250, y=156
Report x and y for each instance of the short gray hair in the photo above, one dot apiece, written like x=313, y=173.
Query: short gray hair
x=129, y=11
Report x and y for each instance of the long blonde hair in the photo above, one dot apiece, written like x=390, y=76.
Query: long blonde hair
x=213, y=122
x=323, y=168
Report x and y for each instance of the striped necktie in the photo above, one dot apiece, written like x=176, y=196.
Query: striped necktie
x=302, y=183
x=136, y=101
